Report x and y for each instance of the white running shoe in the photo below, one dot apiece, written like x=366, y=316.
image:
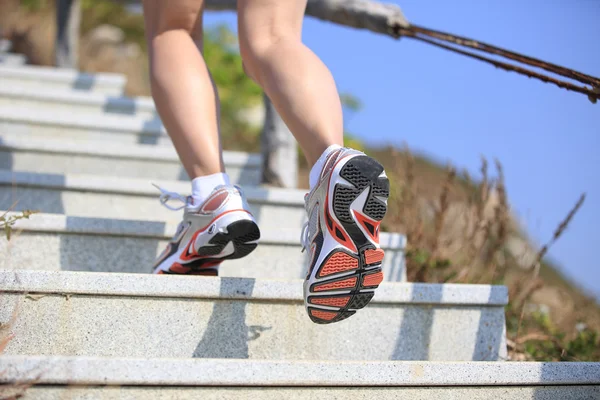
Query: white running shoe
x=221, y=228
x=342, y=233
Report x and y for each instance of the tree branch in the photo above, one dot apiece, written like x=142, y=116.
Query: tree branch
x=361, y=14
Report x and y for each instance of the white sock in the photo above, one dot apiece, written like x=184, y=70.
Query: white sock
x=315, y=171
x=203, y=186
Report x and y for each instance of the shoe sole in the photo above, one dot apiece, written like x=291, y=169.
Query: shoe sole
x=240, y=233
x=351, y=277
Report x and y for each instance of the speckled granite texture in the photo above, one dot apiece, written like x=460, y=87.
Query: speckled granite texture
x=107, y=314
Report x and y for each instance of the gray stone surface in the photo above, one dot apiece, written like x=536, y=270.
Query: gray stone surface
x=148, y=372
x=131, y=246
x=13, y=60
x=67, y=125
x=49, y=77
x=129, y=198
x=5, y=45
x=56, y=156
x=16, y=95
x=304, y=393
x=201, y=317
x=109, y=284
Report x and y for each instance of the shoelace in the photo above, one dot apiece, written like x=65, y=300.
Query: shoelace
x=166, y=196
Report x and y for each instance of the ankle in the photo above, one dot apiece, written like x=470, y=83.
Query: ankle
x=203, y=186
x=316, y=169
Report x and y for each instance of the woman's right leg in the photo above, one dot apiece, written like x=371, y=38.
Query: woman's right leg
x=182, y=88
x=216, y=222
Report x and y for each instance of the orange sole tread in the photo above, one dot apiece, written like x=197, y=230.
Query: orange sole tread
x=374, y=256
x=339, y=262
x=373, y=279
x=343, y=284
x=331, y=301
x=324, y=315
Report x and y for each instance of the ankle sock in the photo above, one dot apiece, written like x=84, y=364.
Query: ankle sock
x=203, y=186
x=315, y=171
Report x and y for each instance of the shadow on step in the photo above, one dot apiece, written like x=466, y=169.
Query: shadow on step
x=226, y=334
x=423, y=329
x=416, y=324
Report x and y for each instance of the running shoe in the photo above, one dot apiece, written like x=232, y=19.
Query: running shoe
x=221, y=228
x=344, y=210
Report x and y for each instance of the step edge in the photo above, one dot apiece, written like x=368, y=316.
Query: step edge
x=153, y=229
x=144, y=103
x=232, y=372
x=113, y=124
x=136, y=186
x=98, y=148
x=35, y=72
x=249, y=289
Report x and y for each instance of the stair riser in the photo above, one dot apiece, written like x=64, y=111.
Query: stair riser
x=34, y=161
x=81, y=252
x=37, y=129
x=205, y=328
x=302, y=393
x=124, y=206
x=74, y=107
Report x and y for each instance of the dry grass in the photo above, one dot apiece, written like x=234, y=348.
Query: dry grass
x=463, y=238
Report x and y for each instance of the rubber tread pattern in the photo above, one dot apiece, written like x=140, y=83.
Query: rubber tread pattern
x=362, y=172
x=238, y=232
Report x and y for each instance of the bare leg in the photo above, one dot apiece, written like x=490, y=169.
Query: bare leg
x=297, y=82
x=182, y=88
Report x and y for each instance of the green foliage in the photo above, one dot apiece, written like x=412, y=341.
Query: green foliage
x=544, y=341
x=586, y=346
x=99, y=12
x=34, y=5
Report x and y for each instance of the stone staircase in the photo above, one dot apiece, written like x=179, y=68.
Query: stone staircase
x=89, y=321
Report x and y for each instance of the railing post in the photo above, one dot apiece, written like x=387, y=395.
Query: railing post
x=279, y=152
x=68, y=19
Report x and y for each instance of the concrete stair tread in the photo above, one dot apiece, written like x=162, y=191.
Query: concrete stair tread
x=62, y=75
x=108, y=150
x=118, y=124
x=105, y=314
x=54, y=223
x=75, y=98
x=5, y=45
x=117, y=245
x=137, y=186
x=220, y=372
x=48, y=154
x=149, y=285
x=12, y=59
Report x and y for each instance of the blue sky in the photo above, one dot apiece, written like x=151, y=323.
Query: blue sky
x=456, y=109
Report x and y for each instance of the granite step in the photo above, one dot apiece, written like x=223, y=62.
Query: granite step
x=157, y=316
x=122, y=378
x=59, y=156
x=12, y=59
x=68, y=125
x=5, y=45
x=131, y=198
x=17, y=95
x=64, y=79
x=107, y=245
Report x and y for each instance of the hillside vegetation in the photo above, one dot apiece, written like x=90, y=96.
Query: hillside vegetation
x=459, y=228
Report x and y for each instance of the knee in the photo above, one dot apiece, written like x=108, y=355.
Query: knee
x=177, y=19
